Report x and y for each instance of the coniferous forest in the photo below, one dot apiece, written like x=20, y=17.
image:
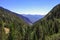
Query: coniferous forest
x=13, y=27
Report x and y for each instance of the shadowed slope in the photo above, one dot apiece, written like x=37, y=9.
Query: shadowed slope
x=48, y=25
x=16, y=25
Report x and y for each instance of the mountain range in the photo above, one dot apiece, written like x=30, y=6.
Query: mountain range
x=14, y=26
x=33, y=18
x=30, y=19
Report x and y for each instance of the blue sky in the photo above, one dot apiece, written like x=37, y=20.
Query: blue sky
x=34, y=7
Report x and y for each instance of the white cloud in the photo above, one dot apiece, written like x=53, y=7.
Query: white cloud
x=33, y=12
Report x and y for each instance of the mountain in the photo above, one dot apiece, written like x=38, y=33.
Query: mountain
x=33, y=18
x=12, y=27
x=25, y=18
x=48, y=28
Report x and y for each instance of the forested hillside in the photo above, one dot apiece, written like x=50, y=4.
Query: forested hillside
x=48, y=28
x=12, y=27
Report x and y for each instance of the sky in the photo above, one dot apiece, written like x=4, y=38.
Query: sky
x=33, y=7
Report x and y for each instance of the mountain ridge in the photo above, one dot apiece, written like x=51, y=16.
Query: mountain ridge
x=15, y=26
x=48, y=25
x=19, y=15
x=34, y=18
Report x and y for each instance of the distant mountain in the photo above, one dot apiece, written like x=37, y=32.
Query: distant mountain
x=48, y=28
x=25, y=18
x=12, y=27
x=33, y=18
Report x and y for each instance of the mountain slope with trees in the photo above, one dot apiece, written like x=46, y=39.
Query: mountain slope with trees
x=12, y=27
x=48, y=28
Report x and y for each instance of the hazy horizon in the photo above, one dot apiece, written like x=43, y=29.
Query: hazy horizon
x=32, y=7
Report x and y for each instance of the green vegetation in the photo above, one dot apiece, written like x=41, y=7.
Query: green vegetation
x=48, y=28
x=17, y=26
